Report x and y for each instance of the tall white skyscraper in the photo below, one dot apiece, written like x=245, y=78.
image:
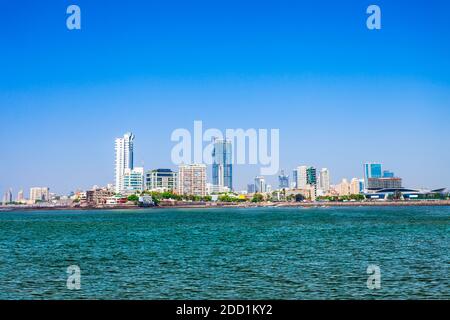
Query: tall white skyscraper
x=124, y=159
x=324, y=180
x=302, y=177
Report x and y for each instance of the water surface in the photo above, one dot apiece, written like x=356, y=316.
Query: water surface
x=258, y=253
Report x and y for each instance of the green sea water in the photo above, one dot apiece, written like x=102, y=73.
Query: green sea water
x=258, y=253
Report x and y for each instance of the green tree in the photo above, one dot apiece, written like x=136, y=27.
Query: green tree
x=133, y=198
x=257, y=197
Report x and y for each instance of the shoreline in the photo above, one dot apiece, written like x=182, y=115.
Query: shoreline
x=423, y=203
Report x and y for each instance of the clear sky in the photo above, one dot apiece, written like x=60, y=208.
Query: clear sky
x=339, y=93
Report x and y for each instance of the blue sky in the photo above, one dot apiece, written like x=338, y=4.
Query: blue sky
x=339, y=93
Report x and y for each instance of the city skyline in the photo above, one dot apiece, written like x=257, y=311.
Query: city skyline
x=304, y=175
x=340, y=94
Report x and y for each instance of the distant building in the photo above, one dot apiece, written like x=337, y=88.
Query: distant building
x=354, y=186
x=294, y=179
x=7, y=197
x=251, y=188
x=260, y=184
x=343, y=189
x=99, y=196
x=361, y=185
x=384, y=183
x=306, y=193
x=146, y=201
x=124, y=159
x=222, y=168
x=372, y=170
x=39, y=194
x=388, y=174
x=192, y=179
x=311, y=176
x=283, y=180
x=324, y=180
x=302, y=179
x=214, y=189
x=20, y=196
x=133, y=180
x=161, y=180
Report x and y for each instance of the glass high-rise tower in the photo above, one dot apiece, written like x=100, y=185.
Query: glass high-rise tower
x=372, y=170
x=311, y=176
x=283, y=180
x=222, y=168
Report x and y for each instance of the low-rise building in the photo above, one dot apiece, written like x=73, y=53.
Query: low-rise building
x=98, y=196
x=133, y=180
x=161, y=180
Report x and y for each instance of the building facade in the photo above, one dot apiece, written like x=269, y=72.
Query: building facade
x=302, y=179
x=388, y=174
x=260, y=184
x=124, y=159
x=384, y=183
x=343, y=189
x=39, y=194
x=324, y=180
x=192, y=179
x=354, y=186
x=133, y=180
x=222, y=168
x=20, y=196
x=283, y=180
x=311, y=176
x=7, y=197
x=372, y=170
x=294, y=179
x=161, y=180
x=98, y=196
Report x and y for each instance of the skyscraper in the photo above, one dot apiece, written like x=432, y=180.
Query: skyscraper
x=192, y=179
x=7, y=197
x=301, y=177
x=294, y=179
x=311, y=176
x=20, y=196
x=124, y=159
x=324, y=180
x=260, y=184
x=372, y=170
x=283, y=180
x=222, y=169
